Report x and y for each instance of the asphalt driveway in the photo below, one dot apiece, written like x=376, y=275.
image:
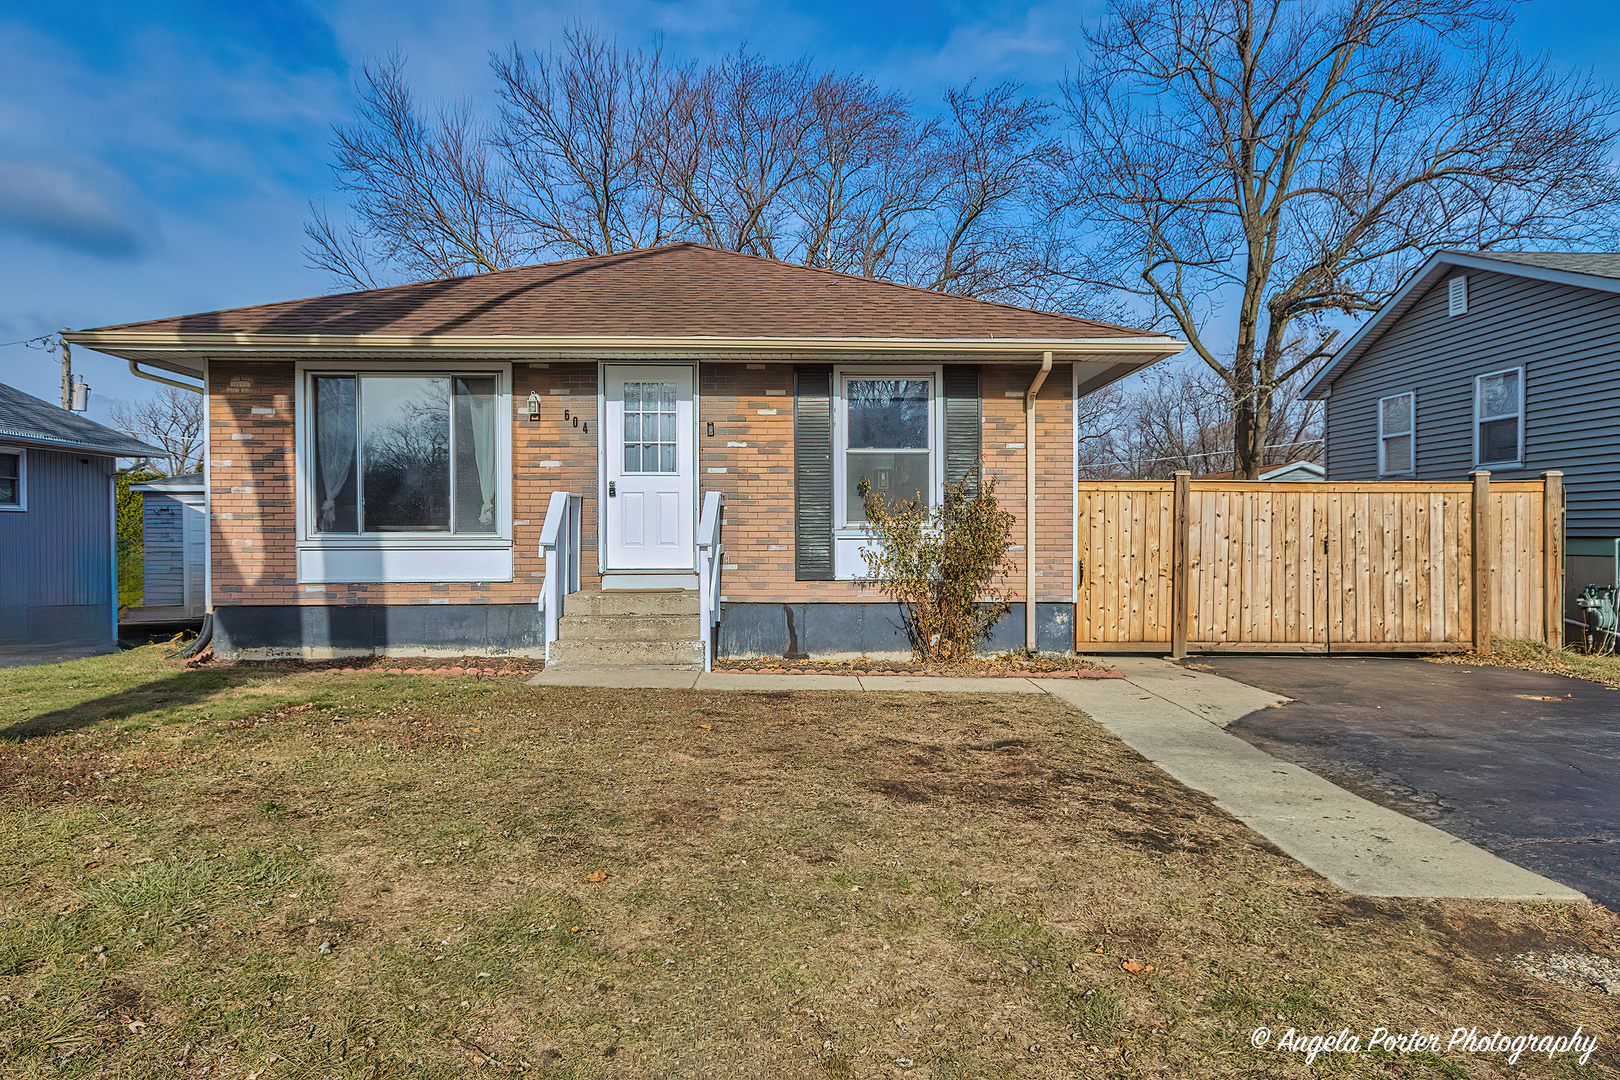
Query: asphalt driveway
x=1526, y=765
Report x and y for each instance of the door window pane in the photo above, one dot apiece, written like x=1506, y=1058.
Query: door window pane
x=889, y=414
x=337, y=505
x=649, y=438
x=405, y=454
x=901, y=477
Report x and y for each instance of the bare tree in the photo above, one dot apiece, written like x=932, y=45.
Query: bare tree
x=1180, y=417
x=993, y=155
x=1288, y=159
x=172, y=420
x=428, y=199
x=869, y=176
x=742, y=135
x=582, y=133
x=597, y=149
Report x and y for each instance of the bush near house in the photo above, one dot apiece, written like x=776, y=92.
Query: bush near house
x=941, y=564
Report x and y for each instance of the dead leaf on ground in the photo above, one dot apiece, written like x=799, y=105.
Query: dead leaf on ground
x=1136, y=967
x=706, y=727
x=596, y=875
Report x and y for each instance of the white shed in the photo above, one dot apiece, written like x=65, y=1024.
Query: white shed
x=174, y=527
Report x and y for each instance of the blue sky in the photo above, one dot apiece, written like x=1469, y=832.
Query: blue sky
x=158, y=158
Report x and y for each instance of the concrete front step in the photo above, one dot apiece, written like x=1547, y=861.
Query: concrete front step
x=575, y=655
x=630, y=628
x=632, y=602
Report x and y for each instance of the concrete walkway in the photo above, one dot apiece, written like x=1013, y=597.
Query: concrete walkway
x=1174, y=717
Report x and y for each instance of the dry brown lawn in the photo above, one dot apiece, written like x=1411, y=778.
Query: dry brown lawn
x=278, y=872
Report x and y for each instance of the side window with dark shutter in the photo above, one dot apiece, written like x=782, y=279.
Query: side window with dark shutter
x=812, y=473
x=963, y=426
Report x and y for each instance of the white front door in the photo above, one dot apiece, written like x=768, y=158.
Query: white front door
x=649, y=489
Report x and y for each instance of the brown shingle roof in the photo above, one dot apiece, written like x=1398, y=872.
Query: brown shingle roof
x=677, y=291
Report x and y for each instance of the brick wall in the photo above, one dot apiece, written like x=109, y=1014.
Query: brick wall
x=749, y=457
x=254, y=524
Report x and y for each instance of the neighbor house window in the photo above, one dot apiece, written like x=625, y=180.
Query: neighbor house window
x=886, y=436
x=11, y=480
x=404, y=454
x=1499, y=417
x=1397, y=452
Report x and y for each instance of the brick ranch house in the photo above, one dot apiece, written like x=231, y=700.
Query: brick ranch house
x=380, y=463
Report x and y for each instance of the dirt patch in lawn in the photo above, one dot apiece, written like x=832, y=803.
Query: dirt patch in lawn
x=1014, y=665
x=367, y=876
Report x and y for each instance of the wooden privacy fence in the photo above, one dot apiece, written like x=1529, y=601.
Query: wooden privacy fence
x=1215, y=566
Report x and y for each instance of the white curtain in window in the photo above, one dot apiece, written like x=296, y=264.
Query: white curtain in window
x=334, y=434
x=481, y=408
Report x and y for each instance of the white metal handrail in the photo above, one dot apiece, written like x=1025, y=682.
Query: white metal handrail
x=559, y=543
x=711, y=554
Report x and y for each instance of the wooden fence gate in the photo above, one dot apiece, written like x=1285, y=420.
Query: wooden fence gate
x=1232, y=566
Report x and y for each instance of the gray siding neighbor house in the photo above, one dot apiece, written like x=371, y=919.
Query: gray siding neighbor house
x=58, y=566
x=1502, y=361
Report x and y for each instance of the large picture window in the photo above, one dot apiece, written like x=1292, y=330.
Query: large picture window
x=404, y=454
x=1499, y=417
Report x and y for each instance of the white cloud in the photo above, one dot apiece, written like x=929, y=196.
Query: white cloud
x=54, y=206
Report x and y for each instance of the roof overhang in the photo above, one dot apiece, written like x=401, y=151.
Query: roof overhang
x=186, y=353
x=131, y=449
x=1419, y=282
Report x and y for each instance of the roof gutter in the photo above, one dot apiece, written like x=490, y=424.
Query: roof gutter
x=135, y=370
x=1029, y=499
x=148, y=345
x=46, y=442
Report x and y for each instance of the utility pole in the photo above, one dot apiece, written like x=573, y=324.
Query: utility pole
x=67, y=371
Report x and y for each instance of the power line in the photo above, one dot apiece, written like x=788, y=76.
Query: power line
x=47, y=341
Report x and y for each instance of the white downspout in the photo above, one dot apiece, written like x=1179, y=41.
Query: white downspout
x=1029, y=499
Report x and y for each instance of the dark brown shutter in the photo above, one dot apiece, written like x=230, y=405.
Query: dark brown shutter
x=812, y=473
x=963, y=426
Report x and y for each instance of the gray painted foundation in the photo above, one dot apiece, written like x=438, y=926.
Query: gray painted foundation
x=332, y=631
x=829, y=631
x=845, y=631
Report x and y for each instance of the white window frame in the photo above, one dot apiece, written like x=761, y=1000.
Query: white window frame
x=1517, y=462
x=401, y=557
x=848, y=538
x=1411, y=432
x=21, y=504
